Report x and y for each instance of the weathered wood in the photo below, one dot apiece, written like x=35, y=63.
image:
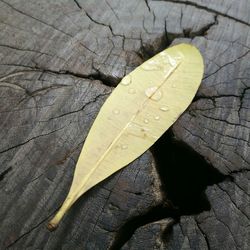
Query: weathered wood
x=59, y=60
x=223, y=227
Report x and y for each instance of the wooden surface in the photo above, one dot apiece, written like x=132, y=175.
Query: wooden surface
x=59, y=61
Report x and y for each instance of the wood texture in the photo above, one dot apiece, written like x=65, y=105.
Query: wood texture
x=59, y=61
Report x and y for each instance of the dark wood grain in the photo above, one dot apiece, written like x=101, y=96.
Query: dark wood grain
x=59, y=62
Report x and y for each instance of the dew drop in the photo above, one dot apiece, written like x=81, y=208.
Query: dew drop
x=126, y=80
x=164, y=108
x=123, y=146
x=116, y=111
x=131, y=91
x=168, y=59
x=151, y=65
x=146, y=121
x=166, y=72
x=172, y=61
x=153, y=93
x=157, y=117
x=157, y=96
x=150, y=91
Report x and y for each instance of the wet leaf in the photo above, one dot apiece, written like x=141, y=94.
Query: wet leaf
x=140, y=109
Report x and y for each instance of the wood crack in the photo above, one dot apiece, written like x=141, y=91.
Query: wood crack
x=77, y=4
x=78, y=110
x=204, y=234
x=30, y=230
x=29, y=140
x=226, y=64
x=34, y=18
x=95, y=76
x=180, y=2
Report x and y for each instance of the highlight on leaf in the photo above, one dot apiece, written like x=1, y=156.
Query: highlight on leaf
x=140, y=109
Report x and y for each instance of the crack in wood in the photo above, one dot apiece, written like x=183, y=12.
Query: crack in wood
x=31, y=139
x=203, y=7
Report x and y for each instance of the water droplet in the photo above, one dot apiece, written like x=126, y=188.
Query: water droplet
x=126, y=80
x=153, y=93
x=172, y=61
x=146, y=121
x=151, y=65
x=166, y=58
x=157, y=96
x=116, y=111
x=150, y=91
x=164, y=108
x=152, y=62
x=173, y=85
x=124, y=146
x=167, y=72
x=157, y=117
x=131, y=91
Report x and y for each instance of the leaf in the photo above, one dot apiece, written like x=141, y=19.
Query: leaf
x=140, y=109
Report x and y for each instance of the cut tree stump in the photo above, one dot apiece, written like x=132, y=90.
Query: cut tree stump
x=60, y=60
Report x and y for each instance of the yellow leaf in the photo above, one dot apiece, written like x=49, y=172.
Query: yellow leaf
x=141, y=108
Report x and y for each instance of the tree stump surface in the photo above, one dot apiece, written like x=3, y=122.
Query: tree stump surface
x=60, y=60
